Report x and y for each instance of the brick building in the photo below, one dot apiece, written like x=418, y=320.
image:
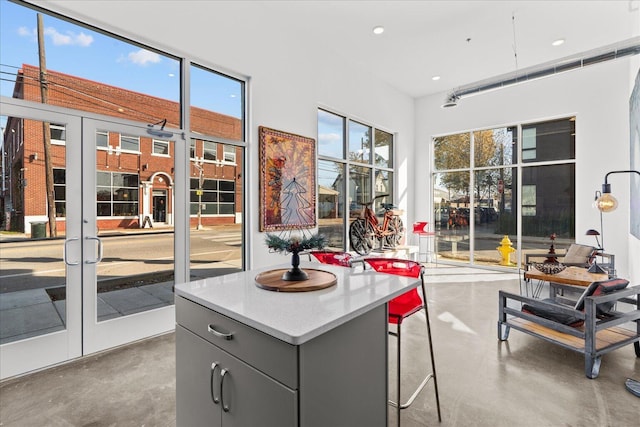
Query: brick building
x=135, y=174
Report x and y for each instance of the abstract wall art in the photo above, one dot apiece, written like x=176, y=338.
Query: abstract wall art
x=287, y=180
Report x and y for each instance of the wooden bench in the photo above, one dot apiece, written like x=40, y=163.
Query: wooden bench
x=598, y=334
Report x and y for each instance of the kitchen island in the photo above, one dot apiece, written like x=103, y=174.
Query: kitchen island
x=248, y=356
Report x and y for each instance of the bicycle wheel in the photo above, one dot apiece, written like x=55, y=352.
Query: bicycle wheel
x=396, y=229
x=361, y=236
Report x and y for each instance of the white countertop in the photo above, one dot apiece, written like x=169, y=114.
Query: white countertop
x=296, y=317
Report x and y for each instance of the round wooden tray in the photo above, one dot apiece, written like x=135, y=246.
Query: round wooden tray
x=318, y=279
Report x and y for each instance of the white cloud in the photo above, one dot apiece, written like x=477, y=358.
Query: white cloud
x=143, y=57
x=329, y=137
x=25, y=32
x=68, y=39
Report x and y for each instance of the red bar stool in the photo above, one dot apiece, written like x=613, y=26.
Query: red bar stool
x=402, y=307
x=332, y=257
x=421, y=229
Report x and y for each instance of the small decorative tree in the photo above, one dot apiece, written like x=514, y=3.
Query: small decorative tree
x=295, y=244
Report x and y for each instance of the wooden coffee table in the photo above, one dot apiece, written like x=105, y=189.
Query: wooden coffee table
x=571, y=276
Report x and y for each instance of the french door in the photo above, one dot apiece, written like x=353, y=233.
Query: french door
x=128, y=270
x=85, y=278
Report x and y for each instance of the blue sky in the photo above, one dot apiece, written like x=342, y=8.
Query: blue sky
x=81, y=52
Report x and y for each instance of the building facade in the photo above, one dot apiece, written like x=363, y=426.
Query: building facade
x=134, y=174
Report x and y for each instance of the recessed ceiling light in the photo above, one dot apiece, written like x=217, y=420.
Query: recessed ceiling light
x=557, y=42
x=434, y=78
x=378, y=30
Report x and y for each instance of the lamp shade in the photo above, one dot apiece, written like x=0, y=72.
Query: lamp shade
x=606, y=203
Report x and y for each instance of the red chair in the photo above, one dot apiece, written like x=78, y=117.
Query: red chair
x=332, y=257
x=421, y=229
x=402, y=307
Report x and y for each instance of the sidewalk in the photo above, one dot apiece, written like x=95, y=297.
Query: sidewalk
x=29, y=313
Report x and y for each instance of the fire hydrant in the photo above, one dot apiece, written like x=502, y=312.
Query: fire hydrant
x=505, y=250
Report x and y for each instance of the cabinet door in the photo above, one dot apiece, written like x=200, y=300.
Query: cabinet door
x=246, y=396
x=251, y=398
x=194, y=381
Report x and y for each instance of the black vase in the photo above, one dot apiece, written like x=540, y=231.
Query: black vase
x=295, y=274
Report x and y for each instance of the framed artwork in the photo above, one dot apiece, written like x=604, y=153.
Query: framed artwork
x=287, y=180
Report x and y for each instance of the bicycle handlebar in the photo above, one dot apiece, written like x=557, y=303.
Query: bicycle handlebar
x=369, y=203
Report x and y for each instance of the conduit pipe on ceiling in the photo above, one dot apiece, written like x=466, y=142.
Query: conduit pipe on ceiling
x=618, y=50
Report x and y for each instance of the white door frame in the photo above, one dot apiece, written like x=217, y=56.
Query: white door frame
x=96, y=335
x=37, y=352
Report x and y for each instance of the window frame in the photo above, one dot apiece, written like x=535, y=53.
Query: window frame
x=348, y=165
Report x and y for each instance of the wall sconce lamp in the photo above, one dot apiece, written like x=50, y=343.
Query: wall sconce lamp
x=606, y=202
x=33, y=157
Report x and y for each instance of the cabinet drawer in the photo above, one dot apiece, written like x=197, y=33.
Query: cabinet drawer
x=265, y=353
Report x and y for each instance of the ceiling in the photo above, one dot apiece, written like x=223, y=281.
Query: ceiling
x=461, y=41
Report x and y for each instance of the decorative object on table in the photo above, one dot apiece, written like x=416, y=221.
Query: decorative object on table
x=287, y=180
x=549, y=267
x=552, y=250
x=317, y=279
x=595, y=268
x=295, y=243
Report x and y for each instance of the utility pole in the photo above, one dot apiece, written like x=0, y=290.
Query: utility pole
x=200, y=167
x=46, y=130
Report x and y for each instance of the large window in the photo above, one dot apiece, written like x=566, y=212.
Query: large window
x=355, y=164
x=117, y=194
x=486, y=186
x=59, y=191
x=213, y=197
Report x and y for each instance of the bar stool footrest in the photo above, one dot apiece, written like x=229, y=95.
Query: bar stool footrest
x=414, y=395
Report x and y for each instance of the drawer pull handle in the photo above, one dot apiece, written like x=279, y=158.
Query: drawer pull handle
x=225, y=407
x=215, y=399
x=219, y=334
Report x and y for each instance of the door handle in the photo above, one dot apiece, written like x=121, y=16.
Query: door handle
x=97, y=260
x=215, y=399
x=223, y=373
x=64, y=251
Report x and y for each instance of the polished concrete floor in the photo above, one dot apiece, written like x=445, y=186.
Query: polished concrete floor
x=483, y=382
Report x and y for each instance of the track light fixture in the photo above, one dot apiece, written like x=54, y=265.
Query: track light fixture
x=451, y=101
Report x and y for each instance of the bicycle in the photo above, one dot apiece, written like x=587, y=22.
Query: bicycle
x=365, y=231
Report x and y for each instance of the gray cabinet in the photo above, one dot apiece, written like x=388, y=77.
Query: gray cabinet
x=230, y=374
x=215, y=388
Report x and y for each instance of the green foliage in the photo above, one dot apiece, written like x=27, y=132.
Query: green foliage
x=294, y=244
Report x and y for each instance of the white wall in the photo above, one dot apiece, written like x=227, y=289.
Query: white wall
x=598, y=96
x=289, y=80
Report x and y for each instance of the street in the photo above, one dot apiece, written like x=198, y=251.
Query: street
x=32, y=264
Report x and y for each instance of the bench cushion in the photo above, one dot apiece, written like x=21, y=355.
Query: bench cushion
x=550, y=314
x=603, y=287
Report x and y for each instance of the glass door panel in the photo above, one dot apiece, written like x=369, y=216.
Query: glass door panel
x=40, y=244
x=215, y=209
x=494, y=216
x=129, y=234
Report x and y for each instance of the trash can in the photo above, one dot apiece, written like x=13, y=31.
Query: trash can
x=38, y=230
